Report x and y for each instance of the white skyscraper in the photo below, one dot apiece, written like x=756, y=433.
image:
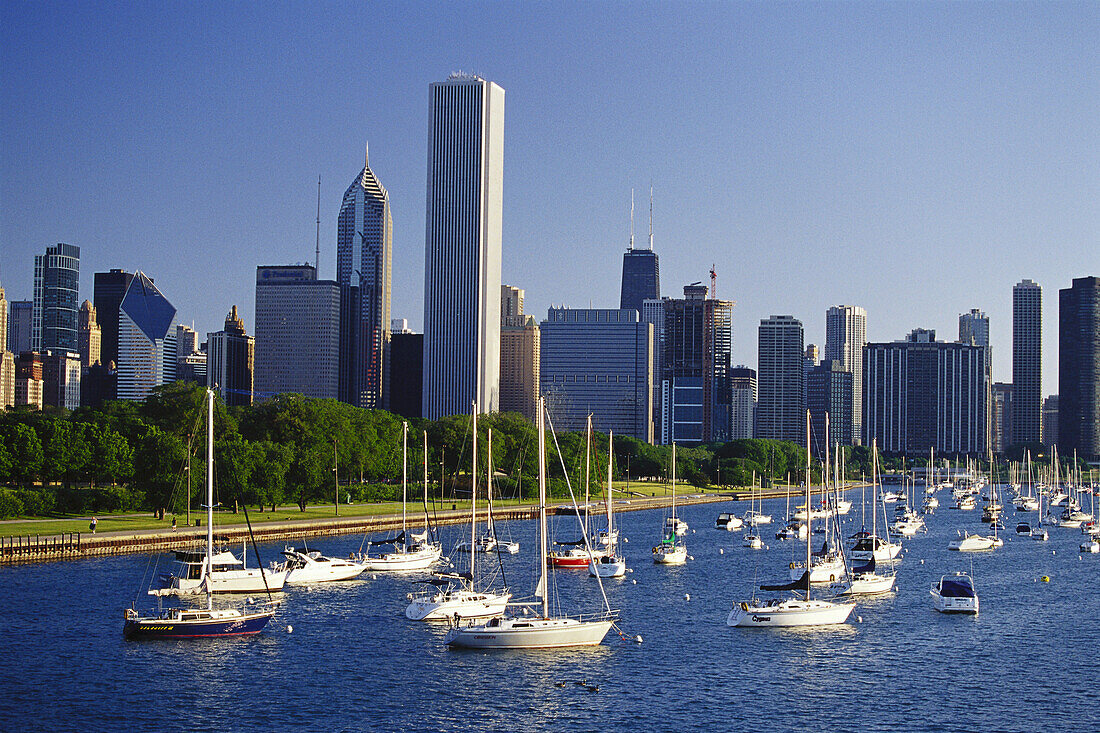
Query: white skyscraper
x=146, y=340
x=845, y=337
x=463, y=246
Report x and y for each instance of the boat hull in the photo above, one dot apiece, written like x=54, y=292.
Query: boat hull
x=608, y=568
x=529, y=634
x=402, y=561
x=789, y=614
x=467, y=605
x=169, y=628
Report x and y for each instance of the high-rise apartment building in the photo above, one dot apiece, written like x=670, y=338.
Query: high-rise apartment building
x=781, y=400
x=297, y=332
x=974, y=328
x=230, y=355
x=520, y=349
x=364, y=253
x=146, y=340
x=921, y=393
x=1079, y=368
x=598, y=362
x=463, y=246
x=7, y=359
x=20, y=320
x=108, y=290
x=56, y=286
x=1050, y=420
x=845, y=336
x=61, y=372
x=1027, y=362
x=29, y=379
x=1001, y=416
x=698, y=341
x=829, y=392
x=743, y=402
x=89, y=335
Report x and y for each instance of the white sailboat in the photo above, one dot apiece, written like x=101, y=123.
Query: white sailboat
x=305, y=567
x=539, y=630
x=671, y=549
x=804, y=611
x=872, y=547
x=751, y=539
x=460, y=595
x=406, y=556
x=612, y=564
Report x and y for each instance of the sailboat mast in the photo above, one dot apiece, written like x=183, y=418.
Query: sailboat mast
x=610, y=453
x=426, y=481
x=473, y=496
x=542, y=508
x=404, y=474
x=489, y=483
x=209, y=495
x=674, y=486
x=809, y=514
x=587, y=467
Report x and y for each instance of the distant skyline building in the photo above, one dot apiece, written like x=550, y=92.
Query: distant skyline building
x=230, y=360
x=364, y=256
x=1027, y=362
x=297, y=332
x=7, y=359
x=1079, y=368
x=406, y=381
x=641, y=267
x=599, y=362
x=1050, y=420
x=463, y=246
x=781, y=400
x=1001, y=416
x=845, y=337
x=698, y=342
x=921, y=393
x=56, y=289
x=29, y=384
x=61, y=372
x=974, y=327
x=146, y=339
x=520, y=353
x=20, y=320
x=89, y=335
x=829, y=391
x=653, y=312
x=107, y=293
x=743, y=402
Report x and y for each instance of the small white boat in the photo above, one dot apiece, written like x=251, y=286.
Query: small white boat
x=752, y=541
x=880, y=549
x=1073, y=518
x=755, y=519
x=608, y=567
x=304, y=567
x=227, y=575
x=966, y=503
x=1091, y=546
x=678, y=526
x=967, y=542
x=864, y=581
x=1027, y=504
x=794, y=530
x=453, y=595
x=955, y=594
x=893, y=497
x=611, y=564
x=1039, y=534
x=488, y=543
x=670, y=551
x=404, y=558
x=530, y=633
x=823, y=570
x=728, y=522
x=788, y=612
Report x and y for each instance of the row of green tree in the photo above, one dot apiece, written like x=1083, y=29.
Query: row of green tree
x=150, y=455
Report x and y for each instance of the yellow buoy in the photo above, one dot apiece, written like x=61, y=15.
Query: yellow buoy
x=1045, y=578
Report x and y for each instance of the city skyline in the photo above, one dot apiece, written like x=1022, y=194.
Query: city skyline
x=822, y=157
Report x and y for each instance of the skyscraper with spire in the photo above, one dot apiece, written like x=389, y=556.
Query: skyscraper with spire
x=364, y=253
x=641, y=269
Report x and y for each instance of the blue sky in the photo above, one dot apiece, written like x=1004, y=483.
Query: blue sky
x=917, y=159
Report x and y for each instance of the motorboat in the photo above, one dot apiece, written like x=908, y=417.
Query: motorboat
x=967, y=542
x=966, y=503
x=823, y=570
x=451, y=595
x=678, y=526
x=955, y=594
x=752, y=541
x=877, y=547
x=1023, y=528
x=864, y=581
x=304, y=566
x=227, y=575
x=794, y=530
x=729, y=522
x=755, y=519
x=1091, y=546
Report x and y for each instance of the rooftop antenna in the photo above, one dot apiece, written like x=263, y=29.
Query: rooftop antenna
x=651, y=217
x=632, y=219
x=317, y=260
x=713, y=282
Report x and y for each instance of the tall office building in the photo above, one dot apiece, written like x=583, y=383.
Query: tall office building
x=56, y=285
x=297, y=332
x=653, y=312
x=463, y=246
x=743, y=401
x=230, y=355
x=845, y=336
x=29, y=384
x=598, y=362
x=1079, y=368
x=20, y=320
x=89, y=335
x=520, y=349
x=364, y=253
x=1050, y=420
x=641, y=268
x=108, y=290
x=7, y=359
x=61, y=372
x=829, y=391
x=1027, y=362
x=698, y=340
x=921, y=393
x=781, y=398
x=406, y=381
x=1001, y=416
x=146, y=340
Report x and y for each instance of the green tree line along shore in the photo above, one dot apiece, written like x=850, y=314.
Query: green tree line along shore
x=134, y=456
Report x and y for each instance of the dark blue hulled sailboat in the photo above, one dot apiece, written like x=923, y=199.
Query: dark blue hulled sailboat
x=186, y=623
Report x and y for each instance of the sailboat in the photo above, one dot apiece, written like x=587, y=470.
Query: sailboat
x=751, y=539
x=612, y=564
x=460, y=595
x=539, y=630
x=671, y=550
x=792, y=611
x=184, y=623
x=826, y=565
x=419, y=554
x=873, y=547
x=966, y=542
x=577, y=553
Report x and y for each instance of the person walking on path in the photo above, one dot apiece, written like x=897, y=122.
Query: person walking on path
x=94, y=522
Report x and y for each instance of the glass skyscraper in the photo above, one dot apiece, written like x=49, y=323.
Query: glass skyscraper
x=463, y=246
x=364, y=253
x=1027, y=362
x=845, y=337
x=56, y=286
x=781, y=384
x=1079, y=369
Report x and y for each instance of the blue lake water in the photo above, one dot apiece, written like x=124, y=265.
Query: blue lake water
x=1028, y=662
